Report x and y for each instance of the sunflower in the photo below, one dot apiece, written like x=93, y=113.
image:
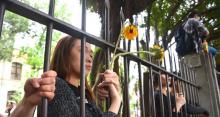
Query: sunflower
x=159, y=52
x=130, y=32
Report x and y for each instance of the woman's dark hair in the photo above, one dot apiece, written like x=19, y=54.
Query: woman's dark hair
x=61, y=60
x=156, y=77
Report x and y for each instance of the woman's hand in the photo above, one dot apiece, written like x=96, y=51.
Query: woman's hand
x=110, y=87
x=35, y=89
x=180, y=101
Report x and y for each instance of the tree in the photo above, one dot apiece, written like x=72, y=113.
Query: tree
x=13, y=25
x=164, y=16
x=35, y=55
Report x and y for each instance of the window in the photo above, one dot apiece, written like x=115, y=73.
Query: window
x=16, y=71
x=14, y=96
x=10, y=94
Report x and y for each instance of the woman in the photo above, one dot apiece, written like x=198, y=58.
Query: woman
x=180, y=99
x=66, y=63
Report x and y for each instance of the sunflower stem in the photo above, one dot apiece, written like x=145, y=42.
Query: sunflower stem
x=116, y=47
x=117, y=43
x=127, y=53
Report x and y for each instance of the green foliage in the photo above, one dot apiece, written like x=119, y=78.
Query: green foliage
x=92, y=5
x=167, y=15
x=35, y=55
x=217, y=58
x=16, y=97
x=13, y=25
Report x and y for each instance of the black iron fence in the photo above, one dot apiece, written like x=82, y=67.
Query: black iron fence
x=183, y=81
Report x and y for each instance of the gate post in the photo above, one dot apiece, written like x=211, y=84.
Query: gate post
x=205, y=75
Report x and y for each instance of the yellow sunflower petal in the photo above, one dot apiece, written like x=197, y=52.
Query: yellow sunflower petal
x=130, y=32
x=158, y=50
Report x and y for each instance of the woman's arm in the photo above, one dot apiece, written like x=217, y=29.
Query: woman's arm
x=23, y=109
x=115, y=100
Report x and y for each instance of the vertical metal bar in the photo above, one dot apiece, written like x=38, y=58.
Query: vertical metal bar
x=168, y=92
x=189, y=86
x=180, y=88
x=128, y=49
x=147, y=95
x=107, y=38
x=82, y=80
x=171, y=69
x=47, y=54
x=161, y=97
x=174, y=92
x=185, y=77
x=183, y=84
x=191, y=90
x=174, y=84
x=152, y=92
x=189, y=79
x=189, y=98
x=196, y=100
x=127, y=103
x=139, y=75
x=82, y=62
x=196, y=89
x=107, y=34
x=193, y=81
x=182, y=91
x=169, y=97
x=2, y=13
x=192, y=87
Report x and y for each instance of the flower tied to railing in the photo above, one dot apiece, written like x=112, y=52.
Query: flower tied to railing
x=158, y=52
x=129, y=32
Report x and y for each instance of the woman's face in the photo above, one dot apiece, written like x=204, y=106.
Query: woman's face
x=163, y=80
x=75, y=56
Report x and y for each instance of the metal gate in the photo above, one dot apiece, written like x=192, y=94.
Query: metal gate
x=185, y=79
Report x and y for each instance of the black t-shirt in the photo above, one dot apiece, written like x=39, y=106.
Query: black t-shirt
x=66, y=103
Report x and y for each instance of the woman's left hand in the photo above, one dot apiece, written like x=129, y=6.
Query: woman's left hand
x=110, y=83
x=180, y=101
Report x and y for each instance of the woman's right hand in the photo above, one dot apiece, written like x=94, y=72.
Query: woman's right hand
x=180, y=101
x=36, y=88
